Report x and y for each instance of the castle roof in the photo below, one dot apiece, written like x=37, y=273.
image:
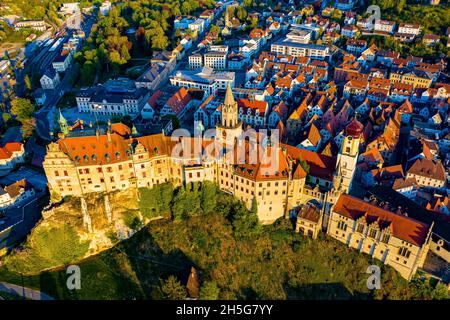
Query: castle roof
x=401, y=227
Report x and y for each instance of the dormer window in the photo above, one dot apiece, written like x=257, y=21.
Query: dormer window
x=360, y=228
x=373, y=233
x=118, y=155
x=385, y=238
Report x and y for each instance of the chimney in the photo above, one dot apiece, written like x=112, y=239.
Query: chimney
x=97, y=134
x=108, y=133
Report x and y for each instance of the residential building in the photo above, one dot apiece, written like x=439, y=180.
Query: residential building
x=296, y=49
x=428, y=173
x=11, y=154
x=62, y=61
x=384, y=26
x=409, y=28
x=50, y=79
x=309, y=220
x=38, y=25
x=215, y=59
x=15, y=194
x=114, y=98
x=205, y=79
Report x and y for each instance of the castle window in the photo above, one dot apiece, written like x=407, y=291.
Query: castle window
x=385, y=238
x=342, y=225
x=373, y=233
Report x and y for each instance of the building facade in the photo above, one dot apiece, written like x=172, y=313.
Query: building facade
x=394, y=239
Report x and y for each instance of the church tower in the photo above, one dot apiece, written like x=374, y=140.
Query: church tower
x=63, y=126
x=347, y=157
x=230, y=126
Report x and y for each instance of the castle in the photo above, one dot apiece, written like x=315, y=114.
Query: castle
x=279, y=178
x=111, y=159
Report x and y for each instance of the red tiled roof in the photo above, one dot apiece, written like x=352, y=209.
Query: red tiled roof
x=7, y=150
x=401, y=227
x=179, y=100
x=254, y=105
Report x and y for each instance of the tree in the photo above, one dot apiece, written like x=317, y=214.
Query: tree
x=215, y=29
x=172, y=289
x=245, y=223
x=28, y=84
x=22, y=108
x=208, y=197
x=28, y=127
x=209, y=291
x=186, y=8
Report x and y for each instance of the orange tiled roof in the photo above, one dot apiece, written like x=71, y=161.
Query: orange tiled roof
x=401, y=227
x=254, y=105
x=428, y=168
x=179, y=100
x=7, y=150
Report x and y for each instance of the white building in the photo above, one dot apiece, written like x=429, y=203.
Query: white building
x=62, y=61
x=215, y=60
x=205, y=79
x=249, y=48
x=384, y=26
x=11, y=154
x=105, y=8
x=16, y=193
x=198, y=25
x=301, y=50
x=38, y=25
x=299, y=36
x=195, y=61
x=408, y=28
x=218, y=48
x=50, y=80
x=114, y=98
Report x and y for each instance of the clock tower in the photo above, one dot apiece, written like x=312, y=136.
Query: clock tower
x=347, y=157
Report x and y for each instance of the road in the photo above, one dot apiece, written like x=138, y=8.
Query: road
x=23, y=292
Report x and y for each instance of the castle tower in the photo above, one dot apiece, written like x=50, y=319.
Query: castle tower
x=347, y=157
x=230, y=127
x=63, y=126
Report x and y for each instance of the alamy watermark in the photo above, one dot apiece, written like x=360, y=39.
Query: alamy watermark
x=74, y=280
x=374, y=280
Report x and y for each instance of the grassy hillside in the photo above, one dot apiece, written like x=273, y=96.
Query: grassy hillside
x=237, y=259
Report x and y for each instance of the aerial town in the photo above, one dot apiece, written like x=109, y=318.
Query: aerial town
x=327, y=121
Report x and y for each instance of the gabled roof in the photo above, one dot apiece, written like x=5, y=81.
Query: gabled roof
x=179, y=100
x=401, y=227
x=7, y=150
x=428, y=168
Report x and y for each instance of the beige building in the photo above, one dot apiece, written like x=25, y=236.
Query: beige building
x=394, y=239
x=110, y=159
x=309, y=220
